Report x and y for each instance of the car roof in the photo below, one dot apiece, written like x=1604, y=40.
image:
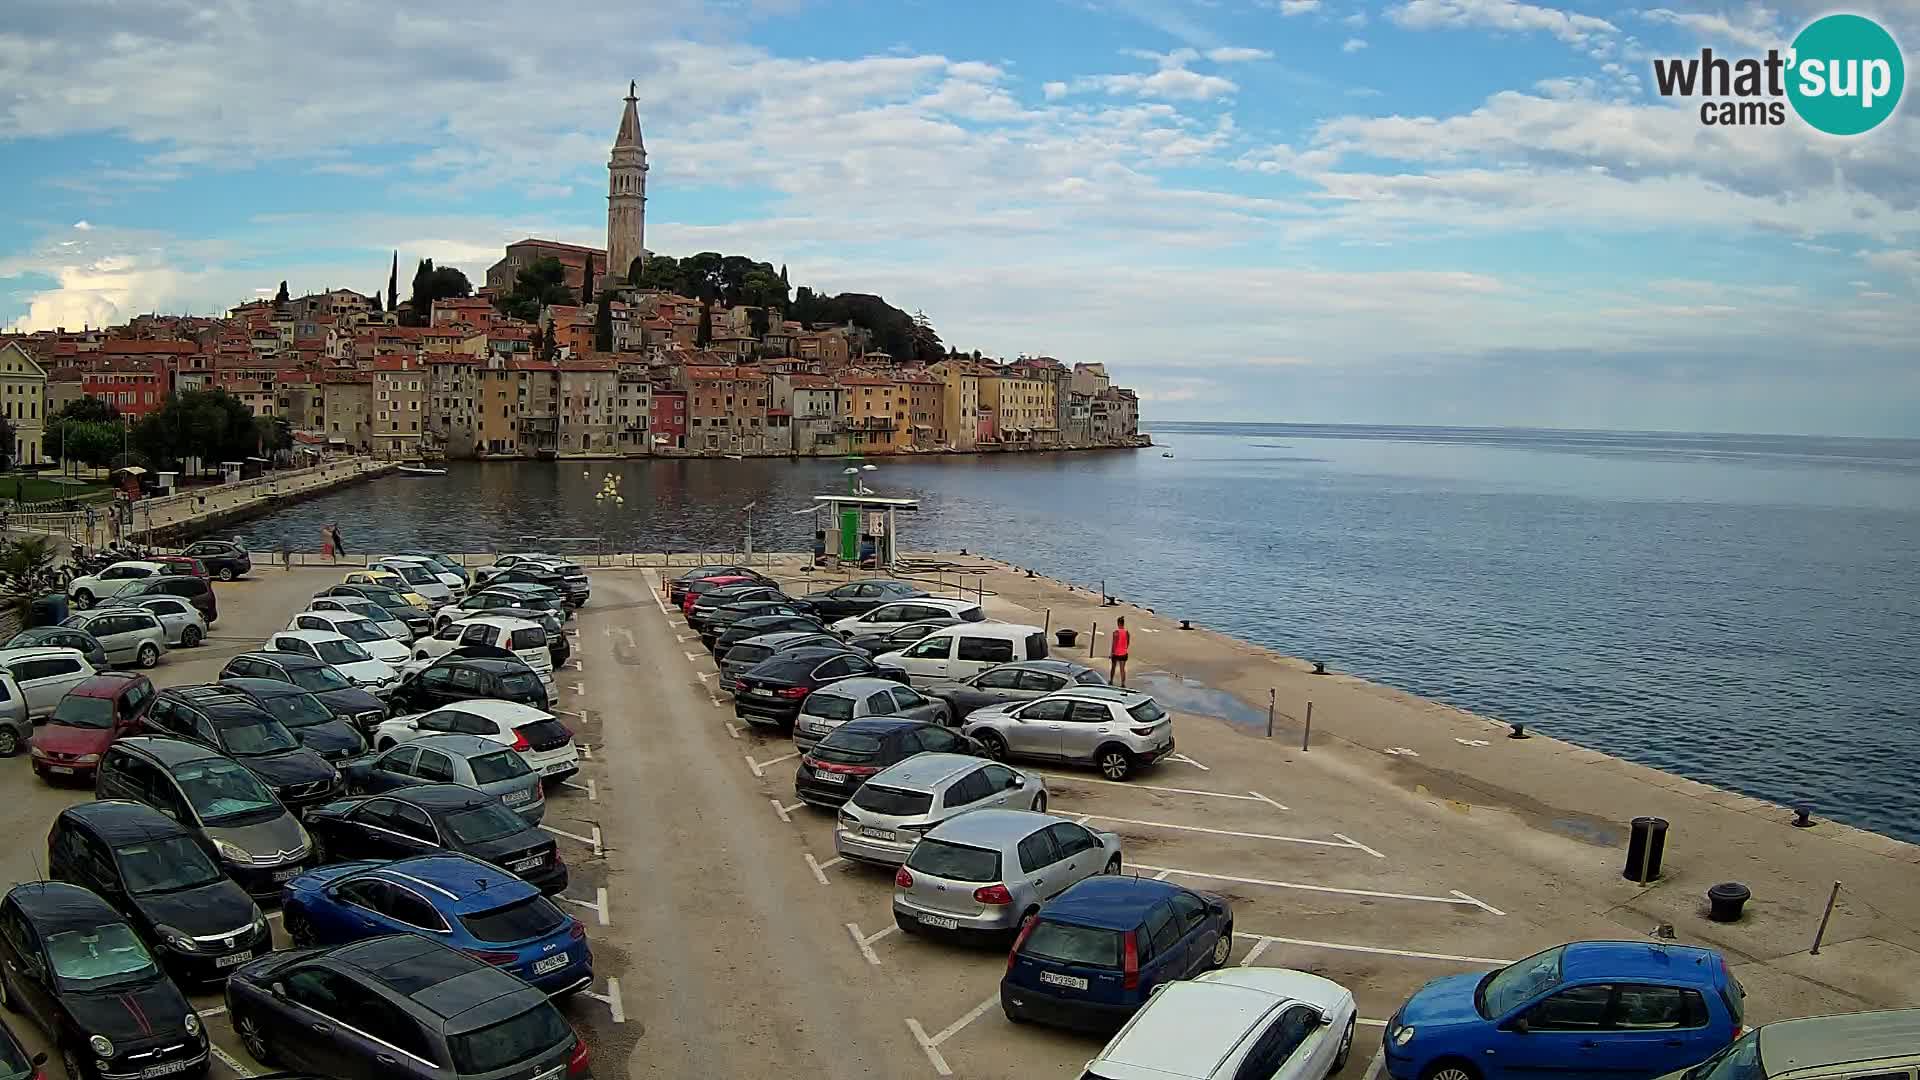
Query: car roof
x=810, y=652
x=168, y=752
x=217, y=700
x=465, y=883
x=264, y=688
x=504, y=622
x=1813, y=1042
x=137, y=562
x=56, y=904
x=436, y=796
x=457, y=743
x=1109, y=901
x=779, y=637
x=948, y=602
x=1641, y=959
x=856, y=687
x=1189, y=1028
x=106, y=684
x=925, y=772
x=118, y=609
x=497, y=664
x=414, y=559
x=880, y=725
x=439, y=979
x=1118, y=695
x=1068, y=668
x=511, y=712
x=990, y=828
x=39, y=652
x=178, y=577
x=313, y=636
x=330, y=616
x=119, y=821
x=283, y=658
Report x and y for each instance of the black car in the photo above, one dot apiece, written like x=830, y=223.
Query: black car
x=223, y=559
x=1022, y=680
x=755, y=625
x=337, y=692
x=223, y=719
x=461, y=678
x=533, y=574
x=677, y=588
x=532, y=597
x=400, y=1006
x=153, y=871
x=304, y=714
x=770, y=693
x=195, y=591
x=418, y=619
x=858, y=597
x=895, y=640
x=858, y=749
x=427, y=818
x=70, y=961
x=712, y=601
x=724, y=618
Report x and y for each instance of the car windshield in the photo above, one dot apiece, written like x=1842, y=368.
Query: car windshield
x=495, y=767
x=531, y=637
x=162, y=866
x=955, y=862
x=894, y=802
x=251, y=736
x=1072, y=944
x=1738, y=1060
x=748, y=654
x=358, y=630
x=417, y=575
x=488, y=821
x=84, y=712
x=829, y=706
x=340, y=652
x=519, y=686
x=221, y=791
x=317, y=679
x=848, y=747
x=100, y=957
x=530, y=918
x=383, y=596
x=1147, y=712
x=297, y=710
x=538, y=1031
x=1518, y=983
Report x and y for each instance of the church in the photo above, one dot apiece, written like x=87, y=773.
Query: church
x=626, y=222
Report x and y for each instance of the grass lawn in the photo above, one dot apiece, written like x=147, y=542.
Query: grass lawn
x=33, y=489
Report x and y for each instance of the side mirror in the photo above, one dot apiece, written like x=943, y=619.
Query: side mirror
x=413, y=725
x=279, y=990
x=40, y=1059
x=1518, y=1026
x=1325, y=1019
x=1019, y=782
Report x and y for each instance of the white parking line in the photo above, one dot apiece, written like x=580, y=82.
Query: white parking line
x=593, y=841
x=820, y=868
x=578, y=689
x=598, y=906
x=1456, y=897
x=865, y=941
x=1189, y=761
x=732, y=728
x=1342, y=843
x=592, y=795
x=611, y=999
x=684, y=638
x=757, y=766
x=1372, y=950
x=784, y=811
x=705, y=675
x=229, y=1061
x=931, y=1044
x=211, y=1010
x=1374, y=1066
x=1253, y=954
x=586, y=749
x=653, y=586
x=1251, y=796
x=1359, y=845
x=572, y=713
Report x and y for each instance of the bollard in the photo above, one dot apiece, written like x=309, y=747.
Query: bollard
x=1646, y=844
x=1306, y=733
x=1319, y=667
x=1269, y=713
x=1824, y=916
x=1092, y=636
x=1725, y=900
x=1185, y=624
x=1803, y=816
x=1519, y=732
x=1047, y=627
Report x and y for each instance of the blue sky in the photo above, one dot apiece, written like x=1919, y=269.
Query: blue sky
x=1396, y=211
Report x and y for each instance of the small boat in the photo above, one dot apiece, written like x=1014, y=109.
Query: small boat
x=420, y=468
x=1169, y=453
x=733, y=457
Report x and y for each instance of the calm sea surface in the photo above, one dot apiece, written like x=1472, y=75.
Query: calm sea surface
x=1744, y=610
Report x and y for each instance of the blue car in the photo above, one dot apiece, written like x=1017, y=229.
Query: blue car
x=1094, y=953
x=1622, y=1010
x=479, y=909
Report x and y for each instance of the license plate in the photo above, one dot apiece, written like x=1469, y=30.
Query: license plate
x=288, y=874
x=761, y=692
x=62, y=770
x=940, y=922
x=558, y=766
x=168, y=1069
x=879, y=834
x=1071, y=982
x=235, y=960
x=829, y=778
x=517, y=797
x=551, y=963
x=527, y=864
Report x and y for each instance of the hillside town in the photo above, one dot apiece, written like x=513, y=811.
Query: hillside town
x=572, y=351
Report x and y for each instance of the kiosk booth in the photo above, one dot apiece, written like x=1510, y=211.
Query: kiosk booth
x=857, y=530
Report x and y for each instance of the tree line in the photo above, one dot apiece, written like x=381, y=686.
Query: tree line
x=207, y=425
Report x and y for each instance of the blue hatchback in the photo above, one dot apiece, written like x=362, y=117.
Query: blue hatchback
x=1095, y=952
x=479, y=909
x=1622, y=1010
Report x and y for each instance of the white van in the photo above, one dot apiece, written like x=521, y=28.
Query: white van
x=526, y=640
x=963, y=651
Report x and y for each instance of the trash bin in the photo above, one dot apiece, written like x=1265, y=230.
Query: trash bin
x=1725, y=901
x=1645, y=845
x=1064, y=637
x=48, y=610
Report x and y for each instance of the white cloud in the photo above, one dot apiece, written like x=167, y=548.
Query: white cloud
x=1757, y=28
x=1173, y=81
x=1054, y=90
x=82, y=225
x=1357, y=19
x=1501, y=15
x=1298, y=7
x=1236, y=54
x=1353, y=45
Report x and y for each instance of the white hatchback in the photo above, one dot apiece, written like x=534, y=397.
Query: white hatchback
x=525, y=639
x=1235, y=1023
x=361, y=631
x=540, y=739
x=897, y=613
x=366, y=609
x=342, y=653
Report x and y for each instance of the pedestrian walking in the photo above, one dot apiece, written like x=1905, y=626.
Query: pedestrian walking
x=286, y=554
x=339, y=542
x=1117, y=664
x=326, y=544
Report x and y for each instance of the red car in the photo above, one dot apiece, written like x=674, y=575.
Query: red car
x=182, y=564
x=701, y=586
x=87, y=720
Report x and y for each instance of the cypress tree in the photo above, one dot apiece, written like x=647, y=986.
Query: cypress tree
x=393, y=283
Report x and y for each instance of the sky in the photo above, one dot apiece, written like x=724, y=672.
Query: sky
x=1370, y=211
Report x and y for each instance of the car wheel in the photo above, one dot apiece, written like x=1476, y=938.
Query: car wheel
x=149, y=656
x=74, y=1064
x=226, y=573
x=1113, y=865
x=299, y=930
x=1223, y=948
x=189, y=637
x=1346, y=1048
x=9, y=741
x=253, y=1037
x=1039, y=803
x=993, y=745
x=1450, y=1070
x=83, y=599
x=1114, y=761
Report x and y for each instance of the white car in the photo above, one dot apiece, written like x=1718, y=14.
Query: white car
x=540, y=739
x=420, y=577
x=895, y=614
x=366, y=609
x=1237, y=1023
x=361, y=631
x=44, y=674
x=342, y=653
x=184, y=624
x=114, y=580
x=526, y=640
x=454, y=582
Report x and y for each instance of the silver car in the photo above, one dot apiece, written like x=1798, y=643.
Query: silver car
x=1116, y=729
x=743, y=655
x=130, y=635
x=498, y=770
x=183, y=623
x=856, y=699
x=987, y=871
x=891, y=811
x=16, y=727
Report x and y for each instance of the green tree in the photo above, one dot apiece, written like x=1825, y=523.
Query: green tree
x=7, y=435
x=92, y=409
x=26, y=574
x=430, y=284
x=603, y=324
x=535, y=287
x=658, y=272
x=93, y=443
x=280, y=299
x=211, y=425
x=273, y=434
x=636, y=269
x=759, y=321
x=586, y=285
x=375, y=298
x=393, y=284
x=703, y=336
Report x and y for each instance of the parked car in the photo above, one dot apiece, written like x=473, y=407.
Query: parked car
x=15, y=1062
x=1117, y=730
x=701, y=615
x=16, y=727
x=830, y=773
x=699, y=587
x=256, y=840
x=131, y=635
x=195, y=591
x=891, y=811
x=452, y=582
x=88, y=719
x=454, y=678
x=559, y=646
x=1627, y=1009
x=450, y=898
x=895, y=640
x=1010, y=684
x=1099, y=950
x=447, y=758
x=392, y=582
x=317, y=727
x=1847, y=1046
x=179, y=619
x=895, y=614
x=857, y=597
x=220, y=718
x=988, y=871
x=1263, y=1022
x=524, y=640
x=538, y=575
x=444, y=563
x=751, y=626
x=363, y=632
x=428, y=818
x=724, y=618
x=678, y=587
x=90, y=589
x=535, y=734
x=224, y=559
x=151, y=869
x=60, y=637
x=573, y=581
x=852, y=699
x=342, y=653
x=395, y=628
x=387, y=1006
x=181, y=564
x=745, y=654
x=420, y=579
x=418, y=620
x=968, y=649
x=542, y=602
x=62, y=949
x=770, y=693
x=44, y=675
x=337, y=692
